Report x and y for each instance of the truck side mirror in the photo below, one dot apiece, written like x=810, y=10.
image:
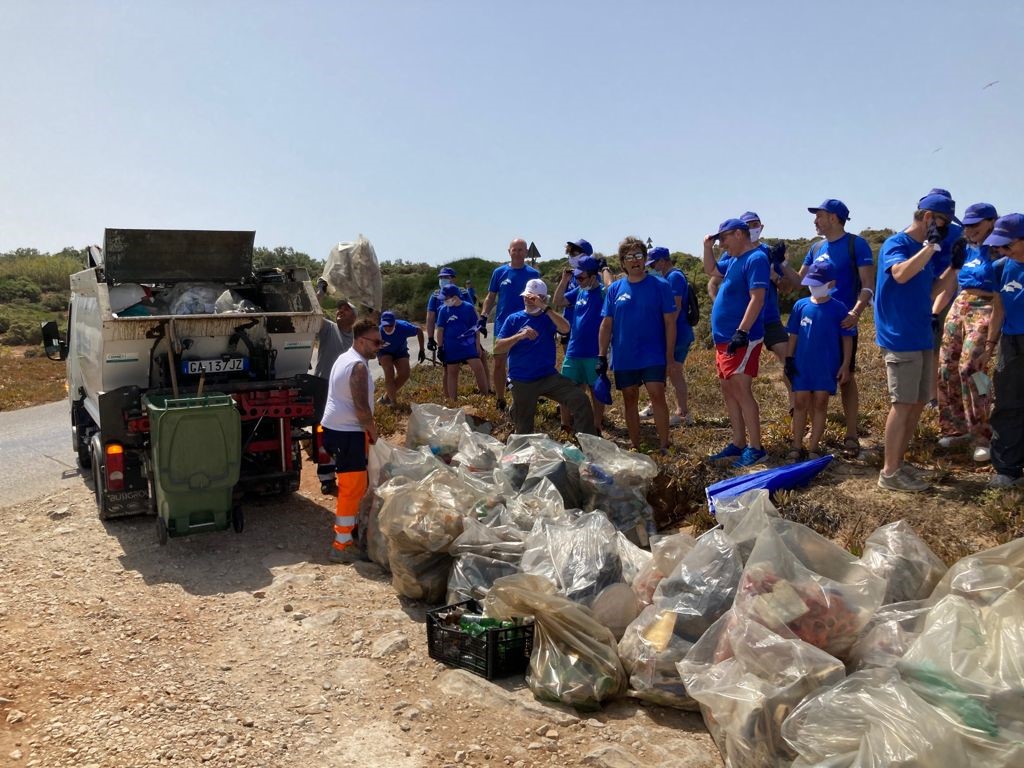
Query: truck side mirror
x=55, y=347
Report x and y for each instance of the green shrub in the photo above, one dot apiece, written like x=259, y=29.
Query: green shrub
x=19, y=289
x=21, y=333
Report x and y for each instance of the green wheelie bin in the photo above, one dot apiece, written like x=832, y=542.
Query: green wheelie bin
x=196, y=446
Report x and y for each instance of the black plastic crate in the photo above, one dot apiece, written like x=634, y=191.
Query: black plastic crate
x=495, y=653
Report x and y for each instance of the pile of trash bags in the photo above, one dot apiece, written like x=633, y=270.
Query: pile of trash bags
x=795, y=651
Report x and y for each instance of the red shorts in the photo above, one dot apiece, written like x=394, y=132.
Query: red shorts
x=744, y=361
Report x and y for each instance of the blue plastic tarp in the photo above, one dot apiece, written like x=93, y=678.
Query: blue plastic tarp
x=776, y=479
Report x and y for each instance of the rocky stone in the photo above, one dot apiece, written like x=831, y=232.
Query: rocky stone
x=613, y=756
x=466, y=687
x=15, y=716
x=59, y=513
x=388, y=644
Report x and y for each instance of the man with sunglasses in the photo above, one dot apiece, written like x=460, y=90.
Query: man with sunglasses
x=909, y=266
x=737, y=325
x=349, y=430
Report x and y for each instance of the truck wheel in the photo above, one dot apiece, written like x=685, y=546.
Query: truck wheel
x=237, y=519
x=97, y=480
x=161, y=531
x=83, y=450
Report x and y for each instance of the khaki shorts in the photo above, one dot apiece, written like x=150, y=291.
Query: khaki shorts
x=910, y=375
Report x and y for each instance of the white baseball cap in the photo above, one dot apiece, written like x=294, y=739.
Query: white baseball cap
x=535, y=288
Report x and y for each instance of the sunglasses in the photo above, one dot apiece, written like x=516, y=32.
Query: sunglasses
x=375, y=342
x=634, y=256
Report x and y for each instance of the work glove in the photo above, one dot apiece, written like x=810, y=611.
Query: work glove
x=936, y=323
x=602, y=365
x=739, y=340
x=481, y=326
x=422, y=356
x=958, y=252
x=564, y=339
x=777, y=253
x=440, y=354
x=935, y=235
x=432, y=345
x=789, y=368
x=321, y=287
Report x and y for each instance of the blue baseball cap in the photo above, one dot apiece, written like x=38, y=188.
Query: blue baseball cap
x=1008, y=228
x=450, y=290
x=821, y=273
x=387, y=318
x=938, y=204
x=603, y=389
x=979, y=212
x=729, y=225
x=656, y=254
x=750, y=216
x=939, y=191
x=583, y=245
x=838, y=207
x=446, y=272
x=587, y=265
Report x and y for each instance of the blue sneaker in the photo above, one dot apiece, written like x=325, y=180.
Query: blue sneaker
x=750, y=457
x=730, y=451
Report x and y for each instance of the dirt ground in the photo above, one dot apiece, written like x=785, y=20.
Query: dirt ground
x=252, y=650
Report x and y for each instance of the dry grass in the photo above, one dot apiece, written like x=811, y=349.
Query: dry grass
x=27, y=381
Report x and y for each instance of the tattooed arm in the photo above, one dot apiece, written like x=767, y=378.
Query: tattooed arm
x=360, y=384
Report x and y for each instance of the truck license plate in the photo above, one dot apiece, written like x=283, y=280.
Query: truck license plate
x=230, y=365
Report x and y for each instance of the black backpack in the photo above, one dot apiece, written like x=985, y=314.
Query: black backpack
x=692, y=306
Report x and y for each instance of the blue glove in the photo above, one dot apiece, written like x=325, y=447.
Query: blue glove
x=739, y=340
x=777, y=253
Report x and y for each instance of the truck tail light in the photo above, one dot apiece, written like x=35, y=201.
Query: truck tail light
x=115, y=467
x=322, y=456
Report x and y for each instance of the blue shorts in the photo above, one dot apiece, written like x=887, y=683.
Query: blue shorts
x=815, y=381
x=638, y=376
x=449, y=361
x=395, y=355
x=580, y=370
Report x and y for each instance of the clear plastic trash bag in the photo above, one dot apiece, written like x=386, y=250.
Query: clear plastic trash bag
x=666, y=552
x=897, y=554
x=986, y=576
x=634, y=559
x=192, y=298
x=352, y=273
x=501, y=542
x=232, y=302
x=472, y=576
x=543, y=502
x=439, y=428
x=744, y=517
x=888, y=634
x=478, y=452
x=574, y=660
x=616, y=482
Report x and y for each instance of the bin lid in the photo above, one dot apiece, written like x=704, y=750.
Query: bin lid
x=170, y=255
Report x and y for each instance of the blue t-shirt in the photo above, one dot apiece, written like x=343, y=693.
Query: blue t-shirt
x=397, y=342
x=681, y=288
x=743, y=274
x=977, y=271
x=436, y=300
x=638, y=321
x=903, y=313
x=530, y=359
x=1011, y=291
x=838, y=252
x=508, y=284
x=570, y=307
x=586, y=321
x=819, y=347
x=771, y=313
x=459, y=324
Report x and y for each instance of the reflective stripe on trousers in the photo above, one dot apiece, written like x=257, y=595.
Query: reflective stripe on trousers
x=351, y=488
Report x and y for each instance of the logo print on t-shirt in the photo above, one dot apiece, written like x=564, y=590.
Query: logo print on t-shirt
x=806, y=321
x=506, y=281
x=623, y=297
x=1012, y=287
x=973, y=263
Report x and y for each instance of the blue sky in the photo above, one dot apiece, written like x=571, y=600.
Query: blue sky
x=442, y=129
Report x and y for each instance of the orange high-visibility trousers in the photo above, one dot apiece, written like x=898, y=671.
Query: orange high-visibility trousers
x=351, y=489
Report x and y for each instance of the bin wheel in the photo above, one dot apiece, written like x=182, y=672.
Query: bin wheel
x=161, y=531
x=237, y=519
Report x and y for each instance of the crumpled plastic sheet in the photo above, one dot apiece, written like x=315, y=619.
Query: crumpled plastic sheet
x=190, y=299
x=439, y=428
x=697, y=593
x=897, y=554
x=800, y=581
x=232, y=302
x=574, y=659
x=472, y=576
x=747, y=679
x=968, y=662
x=872, y=719
x=581, y=557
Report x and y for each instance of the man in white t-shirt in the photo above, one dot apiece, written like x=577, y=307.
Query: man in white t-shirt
x=349, y=430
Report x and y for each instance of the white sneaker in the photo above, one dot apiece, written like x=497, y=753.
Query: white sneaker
x=647, y=412
x=950, y=441
x=982, y=454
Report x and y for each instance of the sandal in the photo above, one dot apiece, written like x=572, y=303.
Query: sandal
x=795, y=455
x=851, y=448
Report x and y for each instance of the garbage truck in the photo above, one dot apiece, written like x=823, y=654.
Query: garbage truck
x=188, y=375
